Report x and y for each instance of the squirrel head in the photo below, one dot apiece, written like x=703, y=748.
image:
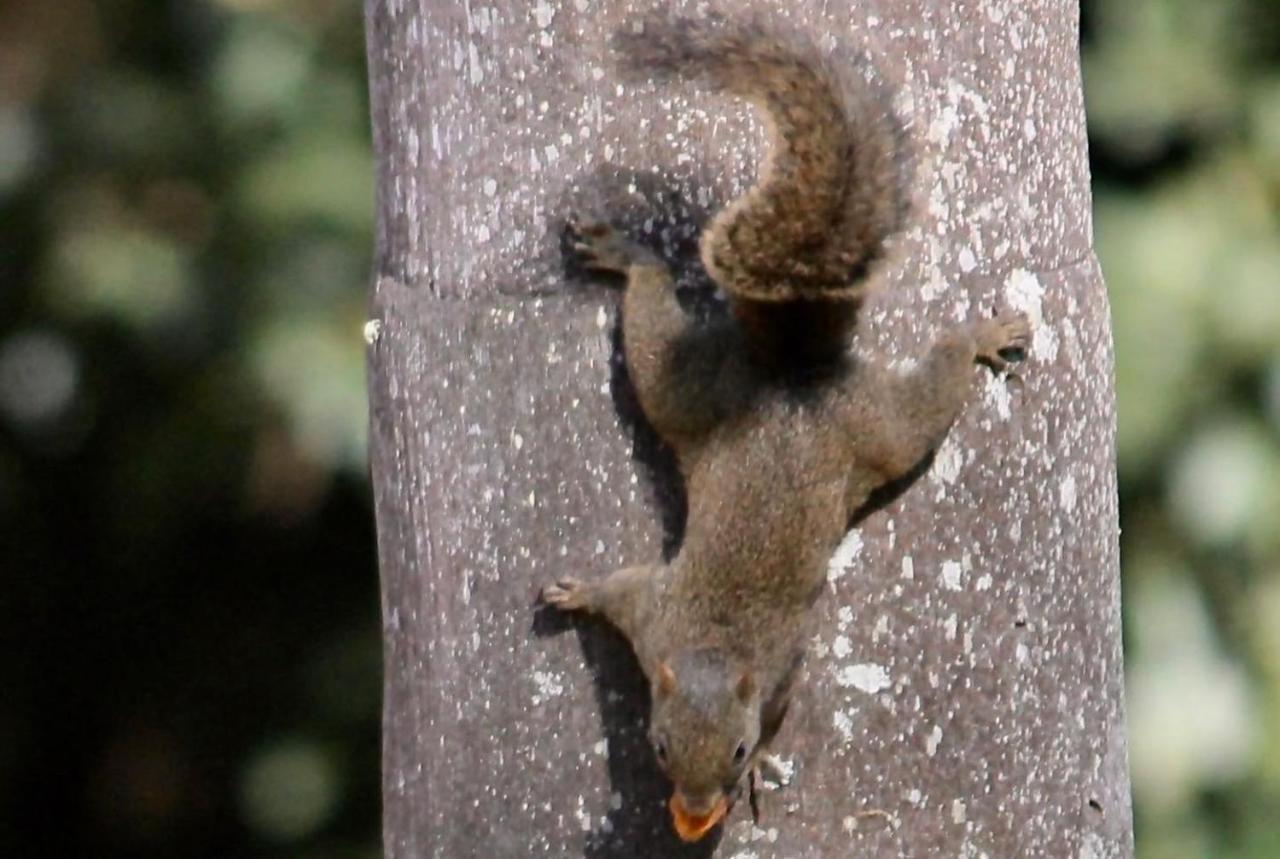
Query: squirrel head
x=704, y=727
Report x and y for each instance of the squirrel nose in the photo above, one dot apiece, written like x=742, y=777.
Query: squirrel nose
x=699, y=804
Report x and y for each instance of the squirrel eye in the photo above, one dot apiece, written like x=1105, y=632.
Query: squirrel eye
x=740, y=753
x=660, y=748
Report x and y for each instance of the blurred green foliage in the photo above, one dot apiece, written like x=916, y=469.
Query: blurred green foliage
x=1183, y=99
x=193, y=653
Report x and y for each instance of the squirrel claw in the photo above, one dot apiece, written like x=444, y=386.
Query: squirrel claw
x=567, y=594
x=997, y=362
x=769, y=772
x=753, y=794
x=774, y=771
x=1003, y=340
x=589, y=228
x=600, y=247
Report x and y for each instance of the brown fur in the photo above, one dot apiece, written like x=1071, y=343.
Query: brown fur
x=778, y=442
x=830, y=190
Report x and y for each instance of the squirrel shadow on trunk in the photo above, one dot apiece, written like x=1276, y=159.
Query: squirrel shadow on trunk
x=656, y=208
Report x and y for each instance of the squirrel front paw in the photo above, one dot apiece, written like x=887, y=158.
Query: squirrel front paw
x=769, y=772
x=568, y=594
x=1002, y=340
x=600, y=247
x=773, y=771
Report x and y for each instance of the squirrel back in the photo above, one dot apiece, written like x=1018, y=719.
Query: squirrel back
x=831, y=189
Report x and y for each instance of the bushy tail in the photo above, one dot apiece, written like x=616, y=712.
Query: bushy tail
x=831, y=190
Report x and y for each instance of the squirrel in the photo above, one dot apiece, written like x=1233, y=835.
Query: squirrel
x=779, y=432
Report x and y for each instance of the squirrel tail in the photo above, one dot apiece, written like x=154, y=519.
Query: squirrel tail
x=831, y=190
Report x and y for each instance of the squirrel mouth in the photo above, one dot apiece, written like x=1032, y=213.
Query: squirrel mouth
x=691, y=827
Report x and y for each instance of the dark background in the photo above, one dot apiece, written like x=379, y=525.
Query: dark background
x=191, y=655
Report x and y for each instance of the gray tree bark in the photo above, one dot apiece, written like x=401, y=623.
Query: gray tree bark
x=963, y=695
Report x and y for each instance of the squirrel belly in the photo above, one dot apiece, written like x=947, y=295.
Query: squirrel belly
x=780, y=434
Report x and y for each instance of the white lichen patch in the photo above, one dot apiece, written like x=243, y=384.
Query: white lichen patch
x=867, y=677
x=784, y=770
x=943, y=125
x=952, y=574
x=546, y=686
x=931, y=742
x=842, y=720
x=544, y=13
x=844, y=616
x=842, y=561
x=1025, y=293
x=881, y=628
x=372, y=331
x=1067, y=493
x=770, y=835
x=948, y=461
x=958, y=92
x=935, y=284
x=996, y=394
x=841, y=646
x=1044, y=342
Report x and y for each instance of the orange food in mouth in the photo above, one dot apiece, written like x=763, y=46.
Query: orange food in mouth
x=691, y=827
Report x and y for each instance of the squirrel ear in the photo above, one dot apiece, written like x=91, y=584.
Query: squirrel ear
x=666, y=680
x=745, y=687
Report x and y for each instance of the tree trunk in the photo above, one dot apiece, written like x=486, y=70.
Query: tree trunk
x=963, y=694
